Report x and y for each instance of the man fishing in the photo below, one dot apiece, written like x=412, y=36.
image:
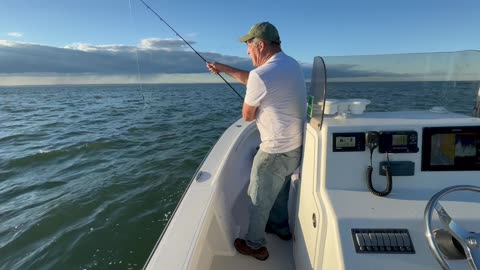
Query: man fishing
x=276, y=99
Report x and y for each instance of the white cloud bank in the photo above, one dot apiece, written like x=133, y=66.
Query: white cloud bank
x=154, y=60
x=157, y=60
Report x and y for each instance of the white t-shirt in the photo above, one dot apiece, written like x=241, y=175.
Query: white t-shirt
x=277, y=88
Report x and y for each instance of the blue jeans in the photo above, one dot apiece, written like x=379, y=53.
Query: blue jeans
x=268, y=193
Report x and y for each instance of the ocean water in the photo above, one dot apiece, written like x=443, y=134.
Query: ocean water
x=90, y=175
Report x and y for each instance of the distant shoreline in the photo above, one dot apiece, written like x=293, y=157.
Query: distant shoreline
x=217, y=83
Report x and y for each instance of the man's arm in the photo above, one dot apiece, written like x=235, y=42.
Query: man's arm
x=248, y=112
x=238, y=74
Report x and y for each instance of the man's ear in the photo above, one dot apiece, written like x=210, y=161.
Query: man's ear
x=261, y=45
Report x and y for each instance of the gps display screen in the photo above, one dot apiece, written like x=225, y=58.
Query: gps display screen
x=451, y=149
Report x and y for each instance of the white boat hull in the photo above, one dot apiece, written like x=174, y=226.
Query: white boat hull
x=332, y=200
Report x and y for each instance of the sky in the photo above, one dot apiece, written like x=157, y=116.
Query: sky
x=120, y=41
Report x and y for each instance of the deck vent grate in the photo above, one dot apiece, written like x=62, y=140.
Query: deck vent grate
x=390, y=241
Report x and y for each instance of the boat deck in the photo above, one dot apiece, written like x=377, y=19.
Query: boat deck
x=281, y=258
x=280, y=251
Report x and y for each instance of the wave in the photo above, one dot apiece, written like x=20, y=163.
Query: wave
x=46, y=156
x=16, y=191
x=21, y=137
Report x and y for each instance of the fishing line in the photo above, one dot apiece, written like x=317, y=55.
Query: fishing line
x=158, y=16
x=137, y=60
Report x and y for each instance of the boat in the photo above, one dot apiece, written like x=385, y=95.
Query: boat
x=383, y=184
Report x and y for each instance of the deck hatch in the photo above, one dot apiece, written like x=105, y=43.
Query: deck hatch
x=390, y=241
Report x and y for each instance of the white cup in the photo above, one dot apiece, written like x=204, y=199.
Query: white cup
x=358, y=106
x=331, y=106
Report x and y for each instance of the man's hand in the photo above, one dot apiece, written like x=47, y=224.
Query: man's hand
x=238, y=74
x=215, y=67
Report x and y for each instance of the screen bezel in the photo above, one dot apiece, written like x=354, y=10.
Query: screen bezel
x=428, y=132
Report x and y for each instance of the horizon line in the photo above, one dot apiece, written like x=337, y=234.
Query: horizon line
x=173, y=83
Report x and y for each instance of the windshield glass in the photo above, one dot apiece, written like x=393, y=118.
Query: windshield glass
x=417, y=81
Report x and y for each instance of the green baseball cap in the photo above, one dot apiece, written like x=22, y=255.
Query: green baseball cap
x=263, y=30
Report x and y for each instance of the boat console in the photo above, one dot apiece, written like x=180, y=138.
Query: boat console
x=389, y=185
x=366, y=182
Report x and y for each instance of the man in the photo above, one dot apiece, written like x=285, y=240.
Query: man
x=276, y=99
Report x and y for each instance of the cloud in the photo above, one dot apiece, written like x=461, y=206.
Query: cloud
x=99, y=48
x=354, y=71
x=15, y=34
x=349, y=72
x=152, y=56
x=441, y=66
x=171, y=60
x=165, y=44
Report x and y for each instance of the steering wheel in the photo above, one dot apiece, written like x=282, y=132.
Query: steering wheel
x=470, y=241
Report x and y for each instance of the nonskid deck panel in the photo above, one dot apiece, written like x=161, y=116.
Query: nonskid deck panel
x=281, y=258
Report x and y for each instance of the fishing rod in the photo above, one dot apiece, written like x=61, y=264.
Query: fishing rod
x=190, y=47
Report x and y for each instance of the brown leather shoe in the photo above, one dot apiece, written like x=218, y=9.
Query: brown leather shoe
x=242, y=247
